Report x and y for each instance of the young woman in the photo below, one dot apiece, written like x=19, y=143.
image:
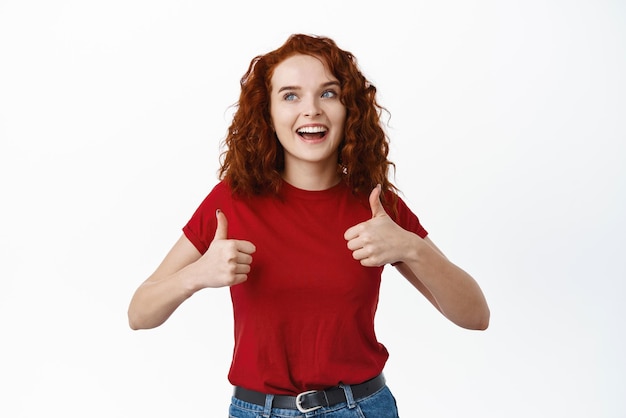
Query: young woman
x=300, y=227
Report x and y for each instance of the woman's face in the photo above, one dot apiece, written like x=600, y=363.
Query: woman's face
x=306, y=113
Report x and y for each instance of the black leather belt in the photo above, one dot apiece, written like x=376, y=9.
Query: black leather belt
x=313, y=399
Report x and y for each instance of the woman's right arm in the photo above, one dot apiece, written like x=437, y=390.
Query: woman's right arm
x=184, y=271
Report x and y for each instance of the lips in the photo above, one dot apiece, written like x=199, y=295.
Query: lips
x=312, y=133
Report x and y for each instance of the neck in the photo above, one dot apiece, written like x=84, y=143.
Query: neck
x=311, y=178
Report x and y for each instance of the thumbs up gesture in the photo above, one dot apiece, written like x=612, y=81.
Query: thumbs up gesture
x=379, y=240
x=227, y=261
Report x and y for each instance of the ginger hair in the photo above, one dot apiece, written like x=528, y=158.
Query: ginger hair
x=254, y=158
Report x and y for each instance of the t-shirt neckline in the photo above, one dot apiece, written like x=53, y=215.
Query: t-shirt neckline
x=291, y=191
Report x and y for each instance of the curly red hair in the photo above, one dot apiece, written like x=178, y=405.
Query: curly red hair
x=254, y=158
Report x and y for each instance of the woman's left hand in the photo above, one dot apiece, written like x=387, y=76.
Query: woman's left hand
x=379, y=240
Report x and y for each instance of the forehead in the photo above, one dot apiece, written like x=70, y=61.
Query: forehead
x=301, y=70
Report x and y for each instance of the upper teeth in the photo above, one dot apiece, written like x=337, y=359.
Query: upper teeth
x=312, y=129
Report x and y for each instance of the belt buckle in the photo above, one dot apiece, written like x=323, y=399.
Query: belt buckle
x=299, y=402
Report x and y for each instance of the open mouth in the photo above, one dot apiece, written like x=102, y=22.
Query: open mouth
x=312, y=133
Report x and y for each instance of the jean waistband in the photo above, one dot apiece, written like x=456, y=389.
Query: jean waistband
x=314, y=399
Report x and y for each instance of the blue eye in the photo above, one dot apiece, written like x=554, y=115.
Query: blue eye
x=290, y=97
x=329, y=94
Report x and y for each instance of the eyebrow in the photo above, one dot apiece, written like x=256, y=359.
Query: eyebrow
x=328, y=84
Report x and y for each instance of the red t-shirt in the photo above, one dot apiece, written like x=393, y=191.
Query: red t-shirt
x=304, y=319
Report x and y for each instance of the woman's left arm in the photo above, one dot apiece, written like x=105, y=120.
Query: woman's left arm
x=452, y=290
x=449, y=288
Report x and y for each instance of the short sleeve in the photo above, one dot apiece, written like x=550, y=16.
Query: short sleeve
x=200, y=229
x=408, y=220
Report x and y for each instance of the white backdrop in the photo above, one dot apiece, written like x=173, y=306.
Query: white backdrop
x=508, y=130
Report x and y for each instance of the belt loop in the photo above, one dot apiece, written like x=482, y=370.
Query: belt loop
x=349, y=397
x=267, y=411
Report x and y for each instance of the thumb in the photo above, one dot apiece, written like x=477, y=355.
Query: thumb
x=221, y=232
x=375, y=205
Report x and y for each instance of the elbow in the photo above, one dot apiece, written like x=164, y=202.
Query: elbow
x=479, y=322
x=133, y=326
x=482, y=325
x=136, y=321
x=138, y=318
x=475, y=320
x=478, y=315
x=485, y=318
x=133, y=323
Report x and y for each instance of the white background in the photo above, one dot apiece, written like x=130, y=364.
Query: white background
x=508, y=130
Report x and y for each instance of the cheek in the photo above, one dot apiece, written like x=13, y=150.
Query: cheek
x=339, y=119
x=338, y=113
x=272, y=116
x=279, y=117
x=281, y=125
x=275, y=113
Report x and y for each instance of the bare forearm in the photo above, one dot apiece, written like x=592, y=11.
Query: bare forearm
x=455, y=292
x=155, y=300
x=184, y=271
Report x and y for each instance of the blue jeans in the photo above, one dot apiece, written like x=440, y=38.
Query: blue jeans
x=381, y=404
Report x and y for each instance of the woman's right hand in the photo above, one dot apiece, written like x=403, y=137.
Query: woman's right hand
x=185, y=271
x=227, y=261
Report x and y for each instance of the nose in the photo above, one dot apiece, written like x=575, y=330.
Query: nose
x=312, y=108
